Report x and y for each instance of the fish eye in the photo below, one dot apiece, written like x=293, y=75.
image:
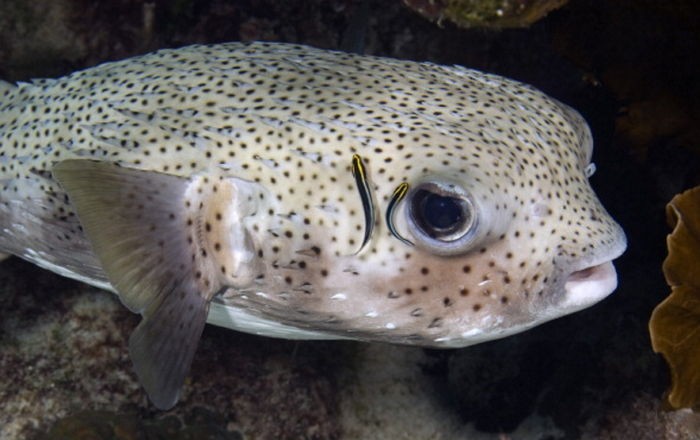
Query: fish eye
x=441, y=217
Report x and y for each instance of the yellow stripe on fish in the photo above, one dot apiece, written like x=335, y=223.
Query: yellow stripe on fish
x=238, y=183
x=396, y=197
x=360, y=174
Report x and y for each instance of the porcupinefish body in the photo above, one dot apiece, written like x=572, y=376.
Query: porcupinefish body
x=304, y=193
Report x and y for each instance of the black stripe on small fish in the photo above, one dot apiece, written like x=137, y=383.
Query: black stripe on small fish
x=360, y=174
x=396, y=197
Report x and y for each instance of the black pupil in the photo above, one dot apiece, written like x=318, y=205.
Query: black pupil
x=440, y=212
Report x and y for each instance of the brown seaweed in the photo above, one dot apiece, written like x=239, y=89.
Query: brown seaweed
x=675, y=323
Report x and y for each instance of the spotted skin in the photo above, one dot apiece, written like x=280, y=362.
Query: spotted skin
x=274, y=128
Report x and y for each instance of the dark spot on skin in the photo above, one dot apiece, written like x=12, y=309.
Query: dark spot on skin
x=424, y=271
x=466, y=269
x=435, y=323
x=476, y=307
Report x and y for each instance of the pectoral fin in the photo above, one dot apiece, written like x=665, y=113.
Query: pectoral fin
x=164, y=343
x=142, y=226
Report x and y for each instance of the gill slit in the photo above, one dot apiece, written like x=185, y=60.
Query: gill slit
x=359, y=172
x=396, y=197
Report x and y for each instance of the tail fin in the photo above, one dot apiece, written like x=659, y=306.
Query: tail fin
x=8, y=92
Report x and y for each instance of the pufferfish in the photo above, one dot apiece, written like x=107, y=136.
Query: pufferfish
x=295, y=192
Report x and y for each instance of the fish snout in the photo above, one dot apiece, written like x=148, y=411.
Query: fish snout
x=592, y=279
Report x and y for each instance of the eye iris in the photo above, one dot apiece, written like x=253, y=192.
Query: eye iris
x=440, y=216
x=441, y=213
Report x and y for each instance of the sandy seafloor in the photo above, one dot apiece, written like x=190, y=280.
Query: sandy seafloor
x=64, y=367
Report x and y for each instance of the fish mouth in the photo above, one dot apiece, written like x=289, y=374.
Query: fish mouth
x=589, y=285
x=594, y=278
